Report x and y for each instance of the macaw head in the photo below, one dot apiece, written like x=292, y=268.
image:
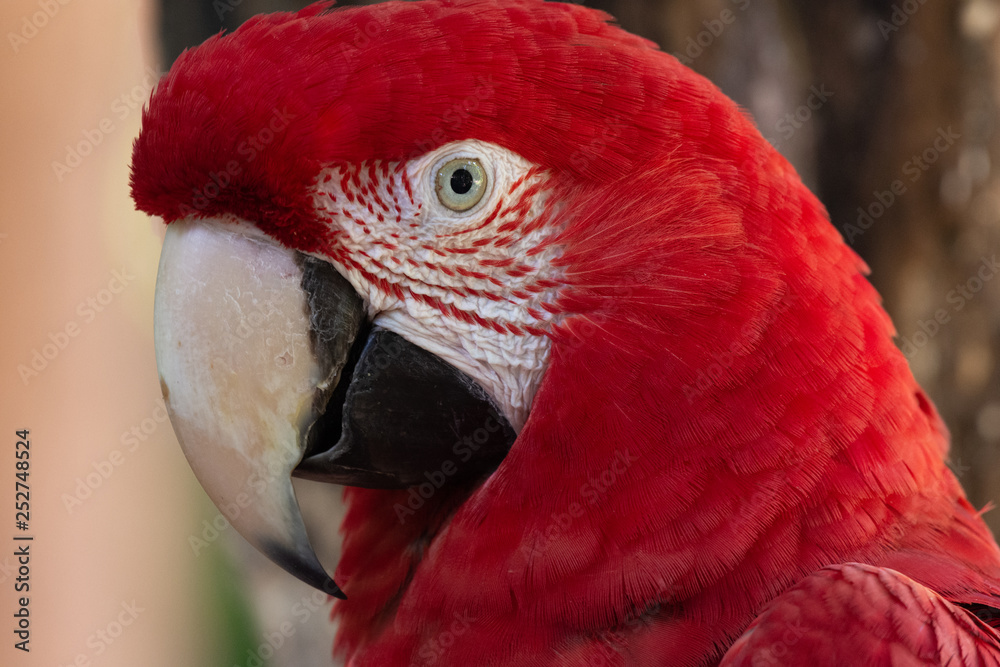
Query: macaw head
x=510, y=255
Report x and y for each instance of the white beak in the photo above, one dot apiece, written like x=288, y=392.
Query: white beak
x=232, y=333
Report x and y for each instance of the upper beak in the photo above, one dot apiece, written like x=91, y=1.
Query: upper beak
x=261, y=365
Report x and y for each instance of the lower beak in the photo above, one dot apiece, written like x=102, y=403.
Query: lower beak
x=262, y=364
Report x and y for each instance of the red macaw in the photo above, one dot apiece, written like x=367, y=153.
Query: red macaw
x=605, y=384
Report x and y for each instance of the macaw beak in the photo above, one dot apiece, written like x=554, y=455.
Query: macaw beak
x=269, y=369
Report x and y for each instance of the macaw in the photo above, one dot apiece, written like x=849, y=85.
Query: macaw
x=602, y=381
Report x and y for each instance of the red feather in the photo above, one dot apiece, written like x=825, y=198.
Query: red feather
x=857, y=614
x=724, y=413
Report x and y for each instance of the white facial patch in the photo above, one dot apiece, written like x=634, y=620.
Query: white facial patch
x=475, y=287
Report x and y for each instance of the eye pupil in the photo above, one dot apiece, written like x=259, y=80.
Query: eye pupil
x=461, y=181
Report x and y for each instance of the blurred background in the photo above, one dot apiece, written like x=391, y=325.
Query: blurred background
x=888, y=109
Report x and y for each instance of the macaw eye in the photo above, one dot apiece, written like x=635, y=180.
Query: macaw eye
x=461, y=183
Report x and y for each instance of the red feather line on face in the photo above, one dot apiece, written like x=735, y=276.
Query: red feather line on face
x=458, y=262
x=724, y=411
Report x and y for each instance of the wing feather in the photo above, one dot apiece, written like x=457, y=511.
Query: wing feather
x=856, y=614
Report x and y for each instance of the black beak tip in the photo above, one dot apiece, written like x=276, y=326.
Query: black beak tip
x=306, y=568
x=331, y=588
